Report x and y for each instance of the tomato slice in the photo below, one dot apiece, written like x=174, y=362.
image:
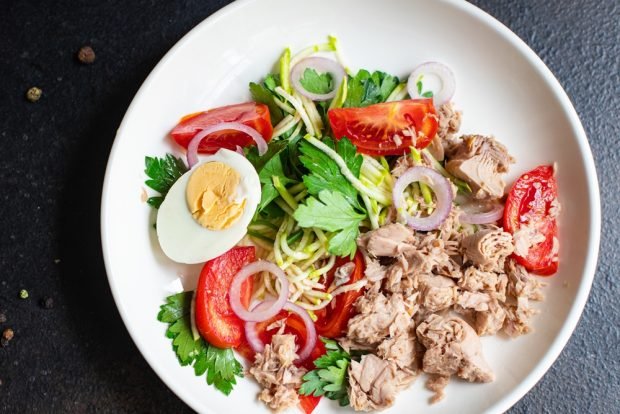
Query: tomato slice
x=373, y=128
x=215, y=319
x=252, y=114
x=529, y=203
x=308, y=403
x=332, y=321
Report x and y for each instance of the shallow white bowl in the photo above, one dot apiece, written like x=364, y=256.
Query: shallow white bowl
x=503, y=89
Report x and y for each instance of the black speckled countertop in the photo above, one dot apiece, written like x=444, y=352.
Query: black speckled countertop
x=77, y=356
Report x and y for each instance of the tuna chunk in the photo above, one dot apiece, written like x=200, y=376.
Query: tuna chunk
x=491, y=321
x=475, y=280
x=390, y=240
x=273, y=369
x=402, y=350
x=488, y=248
x=378, y=317
x=438, y=292
x=480, y=161
x=452, y=348
x=374, y=383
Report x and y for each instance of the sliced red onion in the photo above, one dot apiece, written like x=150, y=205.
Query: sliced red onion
x=240, y=151
x=484, y=217
x=436, y=78
x=320, y=65
x=235, y=291
x=443, y=194
x=311, y=337
x=192, y=148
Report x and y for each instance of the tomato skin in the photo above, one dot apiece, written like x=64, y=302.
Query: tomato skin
x=215, y=320
x=373, y=127
x=252, y=114
x=308, y=403
x=332, y=321
x=529, y=202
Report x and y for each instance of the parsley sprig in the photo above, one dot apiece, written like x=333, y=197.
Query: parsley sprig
x=220, y=365
x=162, y=173
x=330, y=377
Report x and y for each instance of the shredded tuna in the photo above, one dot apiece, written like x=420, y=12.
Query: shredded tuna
x=390, y=240
x=480, y=161
x=449, y=123
x=343, y=273
x=521, y=289
x=378, y=317
x=273, y=369
x=437, y=384
x=438, y=292
x=452, y=348
x=374, y=383
x=488, y=249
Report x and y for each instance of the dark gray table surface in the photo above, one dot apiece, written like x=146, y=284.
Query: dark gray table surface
x=77, y=356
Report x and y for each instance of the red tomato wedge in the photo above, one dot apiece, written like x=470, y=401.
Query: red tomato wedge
x=308, y=403
x=530, y=203
x=252, y=114
x=373, y=128
x=332, y=321
x=215, y=320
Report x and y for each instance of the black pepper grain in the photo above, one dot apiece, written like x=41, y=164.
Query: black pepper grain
x=34, y=94
x=8, y=334
x=47, y=303
x=86, y=55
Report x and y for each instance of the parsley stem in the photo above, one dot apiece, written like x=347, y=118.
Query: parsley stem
x=259, y=235
x=341, y=95
x=355, y=182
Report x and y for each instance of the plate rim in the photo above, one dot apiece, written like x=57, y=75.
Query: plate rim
x=576, y=310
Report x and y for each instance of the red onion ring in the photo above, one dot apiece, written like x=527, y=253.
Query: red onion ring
x=235, y=292
x=192, y=148
x=240, y=151
x=440, y=186
x=311, y=337
x=441, y=71
x=484, y=217
x=321, y=65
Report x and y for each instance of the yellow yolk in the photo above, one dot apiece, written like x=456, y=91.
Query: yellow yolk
x=210, y=195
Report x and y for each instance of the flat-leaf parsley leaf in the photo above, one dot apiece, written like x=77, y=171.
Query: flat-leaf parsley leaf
x=220, y=365
x=162, y=173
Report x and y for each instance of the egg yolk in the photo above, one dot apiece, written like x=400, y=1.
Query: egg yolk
x=210, y=195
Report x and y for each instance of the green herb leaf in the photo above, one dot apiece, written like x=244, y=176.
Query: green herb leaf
x=332, y=212
x=330, y=377
x=366, y=89
x=418, y=85
x=262, y=94
x=162, y=173
x=220, y=365
x=428, y=94
x=325, y=173
x=315, y=82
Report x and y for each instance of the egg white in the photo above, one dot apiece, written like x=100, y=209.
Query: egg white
x=181, y=237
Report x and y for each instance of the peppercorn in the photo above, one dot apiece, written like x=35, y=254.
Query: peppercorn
x=23, y=294
x=47, y=303
x=2, y=318
x=86, y=55
x=4, y=342
x=8, y=334
x=34, y=94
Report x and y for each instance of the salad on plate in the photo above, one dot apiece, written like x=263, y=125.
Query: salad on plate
x=351, y=239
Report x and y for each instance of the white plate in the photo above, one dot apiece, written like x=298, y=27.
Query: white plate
x=503, y=88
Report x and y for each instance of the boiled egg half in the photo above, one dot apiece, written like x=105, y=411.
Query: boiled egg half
x=207, y=211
